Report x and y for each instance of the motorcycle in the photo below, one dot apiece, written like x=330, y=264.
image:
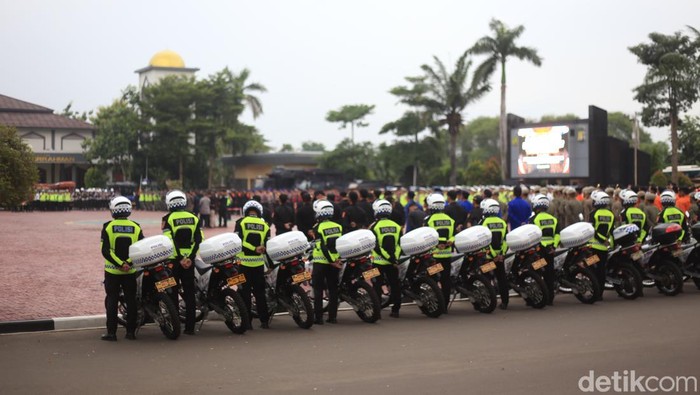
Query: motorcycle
x=660, y=261
x=216, y=273
x=523, y=263
x=470, y=269
x=622, y=271
x=284, y=277
x=571, y=263
x=154, y=285
x=415, y=273
x=690, y=258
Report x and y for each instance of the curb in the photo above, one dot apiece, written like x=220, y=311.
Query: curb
x=53, y=324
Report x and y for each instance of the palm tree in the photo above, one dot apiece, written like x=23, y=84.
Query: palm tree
x=445, y=96
x=499, y=48
x=251, y=101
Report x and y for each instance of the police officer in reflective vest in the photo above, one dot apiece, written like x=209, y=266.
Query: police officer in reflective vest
x=326, y=261
x=491, y=210
x=550, y=239
x=387, y=251
x=602, y=219
x=445, y=226
x=117, y=235
x=631, y=214
x=672, y=214
x=184, y=229
x=254, y=233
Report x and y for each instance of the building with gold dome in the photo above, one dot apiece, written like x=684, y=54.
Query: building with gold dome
x=163, y=64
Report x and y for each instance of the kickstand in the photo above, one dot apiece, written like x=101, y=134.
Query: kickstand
x=204, y=317
x=454, y=296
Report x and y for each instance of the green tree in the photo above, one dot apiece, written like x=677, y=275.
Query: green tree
x=658, y=179
x=95, y=177
x=409, y=125
x=689, y=140
x=445, y=95
x=499, y=47
x=670, y=86
x=286, y=148
x=313, y=146
x=70, y=113
x=480, y=139
x=18, y=172
x=356, y=161
x=352, y=115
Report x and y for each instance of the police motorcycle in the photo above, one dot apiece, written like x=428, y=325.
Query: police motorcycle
x=355, y=278
x=691, y=256
x=470, y=272
x=660, y=261
x=623, y=273
x=415, y=271
x=572, y=260
x=216, y=273
x=523, y=262
x=154, y=285
x=285, y=273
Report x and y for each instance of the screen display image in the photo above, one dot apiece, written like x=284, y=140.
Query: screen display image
x=543, y=151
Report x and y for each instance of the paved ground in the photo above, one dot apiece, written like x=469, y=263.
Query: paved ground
x=517, y=351
x=51, y=263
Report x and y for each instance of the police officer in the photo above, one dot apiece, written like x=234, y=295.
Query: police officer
x=672, y=214
x=491, y=219
x=117, y=235
x=445, y=226
x=550, y=239
x=602, y=219
x=254, y=233
x=326, y=261
x=184, y=229
x=631, y=214
x=387, y=251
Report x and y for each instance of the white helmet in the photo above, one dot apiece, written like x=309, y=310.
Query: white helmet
x=629, y=198
x=175, y=200
x=252, y=205
x=120, y=207
x=697, y=196
x=600, y=199
x=540, y=201
x=668, y=198
x=381, y=207
x=436, y=202
x=490, y=207
x=323, y=209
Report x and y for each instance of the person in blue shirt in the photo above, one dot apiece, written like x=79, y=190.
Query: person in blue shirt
x=464, y=202
x=519, y=210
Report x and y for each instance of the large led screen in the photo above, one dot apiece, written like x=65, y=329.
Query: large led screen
x=558, y=151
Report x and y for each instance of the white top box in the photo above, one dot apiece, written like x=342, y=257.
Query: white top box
x=576, y=235
x=287, y=245
x=151, y=250
x=355, y=243
x=220, y=248
x=473, y=239
x=419, y=241
x=523, y=237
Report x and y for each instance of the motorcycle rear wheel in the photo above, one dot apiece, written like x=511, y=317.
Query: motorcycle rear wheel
x=368, y=301
x=632, y=285
x=233, y=304
x=304, y=314
x=168, y=315
x=486, y=301
x=536, y=289
x=430, y=295
x=671, y=281
x=587, y=283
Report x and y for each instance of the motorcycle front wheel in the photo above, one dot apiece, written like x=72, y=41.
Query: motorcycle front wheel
x=535, y=289
x=430, y=297
x=302, y=311
x=369, y=307
x=235, y=313
x=167, y=316
x=484, y=299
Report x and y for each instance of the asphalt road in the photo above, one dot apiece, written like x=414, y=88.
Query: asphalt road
x=516, y=351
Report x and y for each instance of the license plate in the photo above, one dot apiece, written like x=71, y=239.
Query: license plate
x=592, y=260
x=235, y=280
x=301, y=277
x=436, y=268
x=370, y=274
x=162, y=285
x=487, y=267
x=540, y=263
x=637, y=256
x=677, y=253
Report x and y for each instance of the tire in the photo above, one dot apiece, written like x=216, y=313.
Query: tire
x=233, y=304
x=165, y=308
x=631, y=287
x=304, y=316
x=697, y=282
x=587, y=283
x=670, y=282
x=430, y=295
x=536, y=290
x=199, y=311
x=483, y=287
x=368, y=301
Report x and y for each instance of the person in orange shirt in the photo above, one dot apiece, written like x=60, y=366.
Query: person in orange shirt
x=683, y=200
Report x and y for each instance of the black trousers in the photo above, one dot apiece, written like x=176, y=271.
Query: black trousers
x=446, y=279
x=324, y=276
x=502, y=280
x=223, y=217
x=127, y=283
x=600, y=269
x=390, y=274
x=255, y=285
x=185, y=277
x=548, y=272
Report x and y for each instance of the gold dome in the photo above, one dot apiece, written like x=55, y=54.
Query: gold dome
x=167, y=58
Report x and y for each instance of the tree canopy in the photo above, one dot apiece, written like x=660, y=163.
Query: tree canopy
x=18, y=172
x=352, y=115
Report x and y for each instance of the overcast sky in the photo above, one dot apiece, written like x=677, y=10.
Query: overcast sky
x=314, y=56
